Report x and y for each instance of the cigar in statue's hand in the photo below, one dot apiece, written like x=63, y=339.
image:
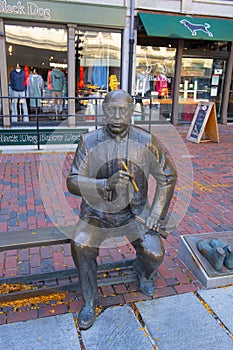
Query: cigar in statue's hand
x=136, y=189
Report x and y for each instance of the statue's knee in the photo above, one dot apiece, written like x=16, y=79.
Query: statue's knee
x=161, y=252
x=75, y=248
x=157, y=255
x=85, y=251
x=157, y=249
x=160, y=256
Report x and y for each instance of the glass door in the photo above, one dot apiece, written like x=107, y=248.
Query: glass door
x=202, y=79
x=155, y=68
x=217, y=84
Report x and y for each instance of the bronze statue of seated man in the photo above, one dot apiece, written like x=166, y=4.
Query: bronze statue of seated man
x=110, y=172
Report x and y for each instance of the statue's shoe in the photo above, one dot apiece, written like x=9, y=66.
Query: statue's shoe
x=146, y=285
x=215, y=242
x=215, y=255
x=228, y=249
x=86, y=317
x=228, y=261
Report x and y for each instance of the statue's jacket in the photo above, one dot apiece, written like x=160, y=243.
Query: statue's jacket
x=100, y=154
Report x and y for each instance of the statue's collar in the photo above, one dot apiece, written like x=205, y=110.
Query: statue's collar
x=122, y=136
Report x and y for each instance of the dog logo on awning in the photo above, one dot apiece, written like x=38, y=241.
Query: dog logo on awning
x=194, y=28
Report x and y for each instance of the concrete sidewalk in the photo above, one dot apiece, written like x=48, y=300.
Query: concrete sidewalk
x=181, y=322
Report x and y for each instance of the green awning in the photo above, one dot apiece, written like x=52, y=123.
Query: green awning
x=187, y=27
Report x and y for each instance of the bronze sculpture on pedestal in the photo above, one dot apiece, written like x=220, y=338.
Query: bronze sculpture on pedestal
x=217, y=252
x=110, y=171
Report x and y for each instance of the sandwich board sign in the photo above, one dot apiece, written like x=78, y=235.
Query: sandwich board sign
x=204, y=126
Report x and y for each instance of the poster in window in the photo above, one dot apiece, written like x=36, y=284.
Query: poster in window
x=215, y=79
x=214, y=91
x=218, y=71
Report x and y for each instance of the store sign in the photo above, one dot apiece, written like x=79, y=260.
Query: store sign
x=187, y=27
x=64, y=12
x=29, y=9
x=194, y=28
x=46, y=136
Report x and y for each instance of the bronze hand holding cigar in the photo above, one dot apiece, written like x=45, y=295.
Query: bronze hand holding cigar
x=136, y=189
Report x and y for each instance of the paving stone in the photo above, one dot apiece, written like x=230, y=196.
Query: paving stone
x=220, y=301
x=181, y=322
x=49, y=333
x=116, y=328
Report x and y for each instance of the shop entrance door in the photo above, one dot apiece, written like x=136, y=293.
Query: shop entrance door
x=202, y=79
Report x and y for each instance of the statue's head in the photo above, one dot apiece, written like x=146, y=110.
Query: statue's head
x=118, y=109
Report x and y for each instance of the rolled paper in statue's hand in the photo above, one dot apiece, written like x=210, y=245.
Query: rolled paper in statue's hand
x=162, y=233
x=136, y=189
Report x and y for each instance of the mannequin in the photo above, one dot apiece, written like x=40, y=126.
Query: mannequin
x=58, y=85
x=35, y=85
x=142, y=84
x=161, y=82
x=17, y=79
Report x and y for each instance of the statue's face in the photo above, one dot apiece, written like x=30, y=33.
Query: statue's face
x=118, y=115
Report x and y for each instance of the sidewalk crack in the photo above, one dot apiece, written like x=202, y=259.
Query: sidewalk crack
x=211, y=311
x=144, y=328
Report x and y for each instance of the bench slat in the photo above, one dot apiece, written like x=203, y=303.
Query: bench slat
x=32, y=238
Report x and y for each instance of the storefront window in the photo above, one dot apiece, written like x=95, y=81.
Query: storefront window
x=154, y=79
x=37, y=60
x=98, y=69
x=201, y=80
x=98, y=61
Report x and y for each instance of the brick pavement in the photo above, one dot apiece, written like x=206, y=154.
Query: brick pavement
x=34, y=195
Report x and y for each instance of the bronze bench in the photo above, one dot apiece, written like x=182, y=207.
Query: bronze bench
x=117, y=272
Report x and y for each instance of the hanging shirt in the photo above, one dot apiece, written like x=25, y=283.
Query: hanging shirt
x=161, y=83
x=35, y=84
x=143, y=83
x=99, y=76
x=57, y=80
